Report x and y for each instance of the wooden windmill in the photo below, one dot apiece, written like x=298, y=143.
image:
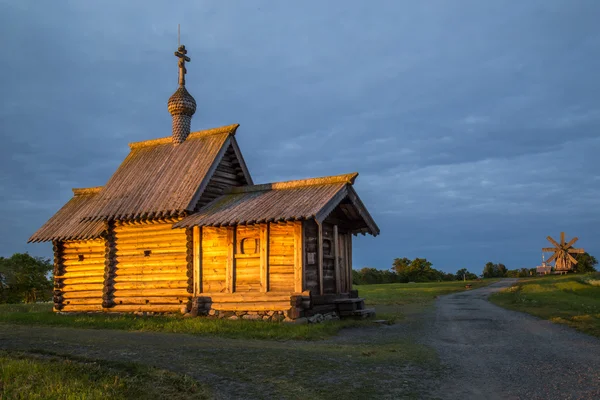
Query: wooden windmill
x=562, y=253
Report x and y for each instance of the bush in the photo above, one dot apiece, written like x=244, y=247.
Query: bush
x=24, y=278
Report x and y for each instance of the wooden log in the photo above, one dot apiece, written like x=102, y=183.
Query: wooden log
x=168, y=308
x=157, y=251
x=177, y=293
x=247, y=297
x=85, y=274
x=126, y=300
x=151, y=236
x=338, y=276
x=197, y=232
x=85, y=268
x=260, y=306
x=230, y=268
x=175, y=246
x=281, y=269
x=68, y=294
x=83, y=301
x=320, y=256
x=161, y=270
x=149, y=278
x=81, y=280
x=82, y=308
x=298, y=263
x=150, y=262
x=84, y=287
x=349, y=246
x=169, y=284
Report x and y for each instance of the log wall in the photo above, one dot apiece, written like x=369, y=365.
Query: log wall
x=281, y=257
x=329, y=285
x=311, y=265
x=214, y=259
x=151, y=271
x=82, y=279
x=247, y=259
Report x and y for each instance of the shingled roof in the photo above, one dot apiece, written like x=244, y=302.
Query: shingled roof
x=160, y=180
x=66, y=224
x=282, y=201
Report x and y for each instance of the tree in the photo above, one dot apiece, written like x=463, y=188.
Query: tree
x=400, y=265
x=492, y=270
x=488, y=270
x=24, y=278
x=463, y=273
x=585, y=263
x=502, y=271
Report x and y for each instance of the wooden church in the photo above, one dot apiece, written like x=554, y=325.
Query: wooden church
x=181, y=227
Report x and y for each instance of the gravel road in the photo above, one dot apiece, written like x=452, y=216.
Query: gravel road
x=493, y=353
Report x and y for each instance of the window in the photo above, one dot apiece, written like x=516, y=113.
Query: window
x=147, y=253
x=249, y=246
x=80, y=257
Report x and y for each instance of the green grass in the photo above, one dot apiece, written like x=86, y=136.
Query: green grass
x=571, y=299
x=388, y=299
x=43, y=376
x=42, y=314
x=413, y=293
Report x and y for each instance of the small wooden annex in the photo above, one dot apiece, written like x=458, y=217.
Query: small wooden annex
x=180, y=227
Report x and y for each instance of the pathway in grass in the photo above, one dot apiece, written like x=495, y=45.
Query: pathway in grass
x=573, y=300
x=494, y=353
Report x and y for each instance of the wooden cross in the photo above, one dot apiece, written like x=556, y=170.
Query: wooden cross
x=181, y=53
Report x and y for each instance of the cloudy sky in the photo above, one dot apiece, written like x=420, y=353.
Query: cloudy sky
x=474, y=124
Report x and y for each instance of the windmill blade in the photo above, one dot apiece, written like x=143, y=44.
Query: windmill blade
x=553, y=241
x=576, y=251
x=573, y=260
x=562, y=238
x=554, y=256
x=572, y=242
x=550, y=249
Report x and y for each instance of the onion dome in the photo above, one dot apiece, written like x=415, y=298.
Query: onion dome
x=182, y=102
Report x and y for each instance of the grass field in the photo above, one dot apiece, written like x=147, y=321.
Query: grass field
x=44, y=376
x=572, y=299
x=388, y=299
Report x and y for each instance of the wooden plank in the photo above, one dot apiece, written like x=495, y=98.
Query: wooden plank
x=338, y=275
x=298, y=257
x=349, y=260
x=230, y=269
x=320, y=256
x=197, y=234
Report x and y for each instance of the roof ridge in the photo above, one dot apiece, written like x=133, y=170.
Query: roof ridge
x=230, y=129
x=324, y=180
x=86, y=191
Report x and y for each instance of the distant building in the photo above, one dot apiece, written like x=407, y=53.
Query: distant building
x=544, y=269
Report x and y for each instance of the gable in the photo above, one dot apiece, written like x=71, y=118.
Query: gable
x=230, y=171
x=159, y=180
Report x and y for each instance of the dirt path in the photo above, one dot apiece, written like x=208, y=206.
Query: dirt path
x=493, y=353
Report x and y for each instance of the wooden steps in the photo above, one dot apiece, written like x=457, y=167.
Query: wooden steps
x=353, y=308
